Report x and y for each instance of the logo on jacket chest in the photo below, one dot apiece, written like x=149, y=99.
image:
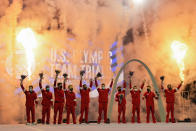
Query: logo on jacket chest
x=121, y=95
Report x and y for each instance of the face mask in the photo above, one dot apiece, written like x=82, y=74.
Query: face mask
x=60, y=87
x=169, y=87
x=85, y=88
x=31, y=90
x=148, y=90
x=135, y=89
x=119, y=90
x=103, y=87
x=47, y=89
x=71, y=89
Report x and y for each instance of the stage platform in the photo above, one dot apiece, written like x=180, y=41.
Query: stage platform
x=103, y=127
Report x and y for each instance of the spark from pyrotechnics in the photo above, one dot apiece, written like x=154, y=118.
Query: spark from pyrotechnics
x=27, y=38
x=179, y=51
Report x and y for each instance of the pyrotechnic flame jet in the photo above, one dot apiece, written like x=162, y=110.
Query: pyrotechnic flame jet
x=179, y=51
x=27, y=38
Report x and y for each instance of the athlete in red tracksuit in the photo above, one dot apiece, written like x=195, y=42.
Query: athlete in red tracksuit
x=85, y=99
x=70, y=102
x=121, y=99
x=135, y=93
x=170, y=100
x=149, y=95
x=47, y=102
x=103, y=99
x=59, y=100
x=31, y=97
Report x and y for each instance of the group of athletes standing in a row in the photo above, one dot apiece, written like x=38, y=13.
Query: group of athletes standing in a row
x=62, y=92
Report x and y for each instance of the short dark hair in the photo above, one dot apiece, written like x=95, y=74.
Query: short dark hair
x=118, y=87
x=84, y=85
x=59, y=84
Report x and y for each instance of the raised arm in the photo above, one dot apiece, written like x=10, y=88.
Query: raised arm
x=56, y=77
x=21, y=82
x=142, y=86
x=124, y=85
x=180, y=85
x=40, y=84
x=81, y=80
x=157, y=95
x=65, y=75
x=162, y=86
x=91, y=83
x=40, y=81
x=82, y=72
x=130, y=85
x=96, y=83
x=111, y=83
x=64, y=84
x=116, y=97
x=22, y=86
x=55, y=81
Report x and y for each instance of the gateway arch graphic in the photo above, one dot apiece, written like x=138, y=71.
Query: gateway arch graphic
x=160, y=103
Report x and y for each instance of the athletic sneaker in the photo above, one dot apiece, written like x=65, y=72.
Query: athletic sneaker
x=34, y=123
